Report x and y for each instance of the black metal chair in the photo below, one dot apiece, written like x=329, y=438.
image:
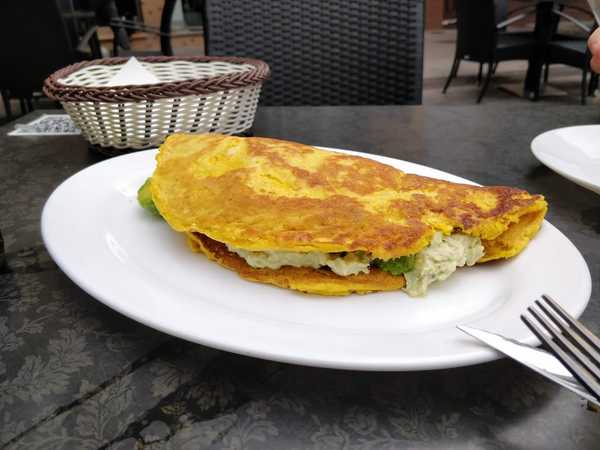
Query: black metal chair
x=121, y=46
x=339, y=52
x=480, y=39
x=36, y=41
x=573, y=52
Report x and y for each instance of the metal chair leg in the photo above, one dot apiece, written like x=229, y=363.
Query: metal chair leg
x=453, y=73
x=584, y=87
x=486, y=83
x=7, y=106
x=593, y=84
x=479, y=74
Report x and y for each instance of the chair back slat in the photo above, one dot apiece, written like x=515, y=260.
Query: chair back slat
x=476, y=29
x=336, y=52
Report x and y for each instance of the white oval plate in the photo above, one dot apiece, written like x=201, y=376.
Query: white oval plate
x=135, y=264
x=573, y=152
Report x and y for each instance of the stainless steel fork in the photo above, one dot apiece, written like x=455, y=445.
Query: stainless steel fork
x=568, y=339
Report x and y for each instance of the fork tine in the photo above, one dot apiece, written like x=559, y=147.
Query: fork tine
x=578, y=372
x=575, y=324
x=566, y=345
x=571, y=334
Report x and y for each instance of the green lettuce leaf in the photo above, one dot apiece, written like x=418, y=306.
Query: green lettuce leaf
x=397, y=266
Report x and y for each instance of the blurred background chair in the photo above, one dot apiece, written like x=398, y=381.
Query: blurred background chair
x=572, y=50
x=103, y=12
x=39, y=37
x=43, y=36
x=338, y=52
x=180, y=26
x=121, y=46
x=483, y=39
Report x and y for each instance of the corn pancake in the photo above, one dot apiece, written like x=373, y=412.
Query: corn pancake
x=263, y=194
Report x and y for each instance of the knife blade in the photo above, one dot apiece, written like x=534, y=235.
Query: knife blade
x=536, y=359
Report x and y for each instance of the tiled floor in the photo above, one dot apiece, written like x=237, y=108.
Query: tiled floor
x=439, y=52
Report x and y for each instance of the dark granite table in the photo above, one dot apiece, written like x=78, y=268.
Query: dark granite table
x=76, y=375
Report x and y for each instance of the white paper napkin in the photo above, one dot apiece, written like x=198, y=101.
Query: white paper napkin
x=132, y=73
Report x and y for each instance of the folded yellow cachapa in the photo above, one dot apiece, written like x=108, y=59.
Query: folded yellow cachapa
x=266, y=207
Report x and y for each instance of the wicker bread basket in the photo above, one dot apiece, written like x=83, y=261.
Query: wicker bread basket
x=195, y=95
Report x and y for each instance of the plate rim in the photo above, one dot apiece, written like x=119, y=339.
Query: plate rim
x=537, y=151
x=480, y=354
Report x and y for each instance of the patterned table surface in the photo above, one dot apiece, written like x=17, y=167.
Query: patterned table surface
x=77, y=375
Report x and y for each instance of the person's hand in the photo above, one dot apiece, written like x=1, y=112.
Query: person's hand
x=594, y=46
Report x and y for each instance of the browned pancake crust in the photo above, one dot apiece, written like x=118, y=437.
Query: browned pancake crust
x=267, y=194
x=317, y=281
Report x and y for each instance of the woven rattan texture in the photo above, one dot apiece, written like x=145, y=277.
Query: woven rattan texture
x=335, y=52
x=196, y=95
x=85, y=81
